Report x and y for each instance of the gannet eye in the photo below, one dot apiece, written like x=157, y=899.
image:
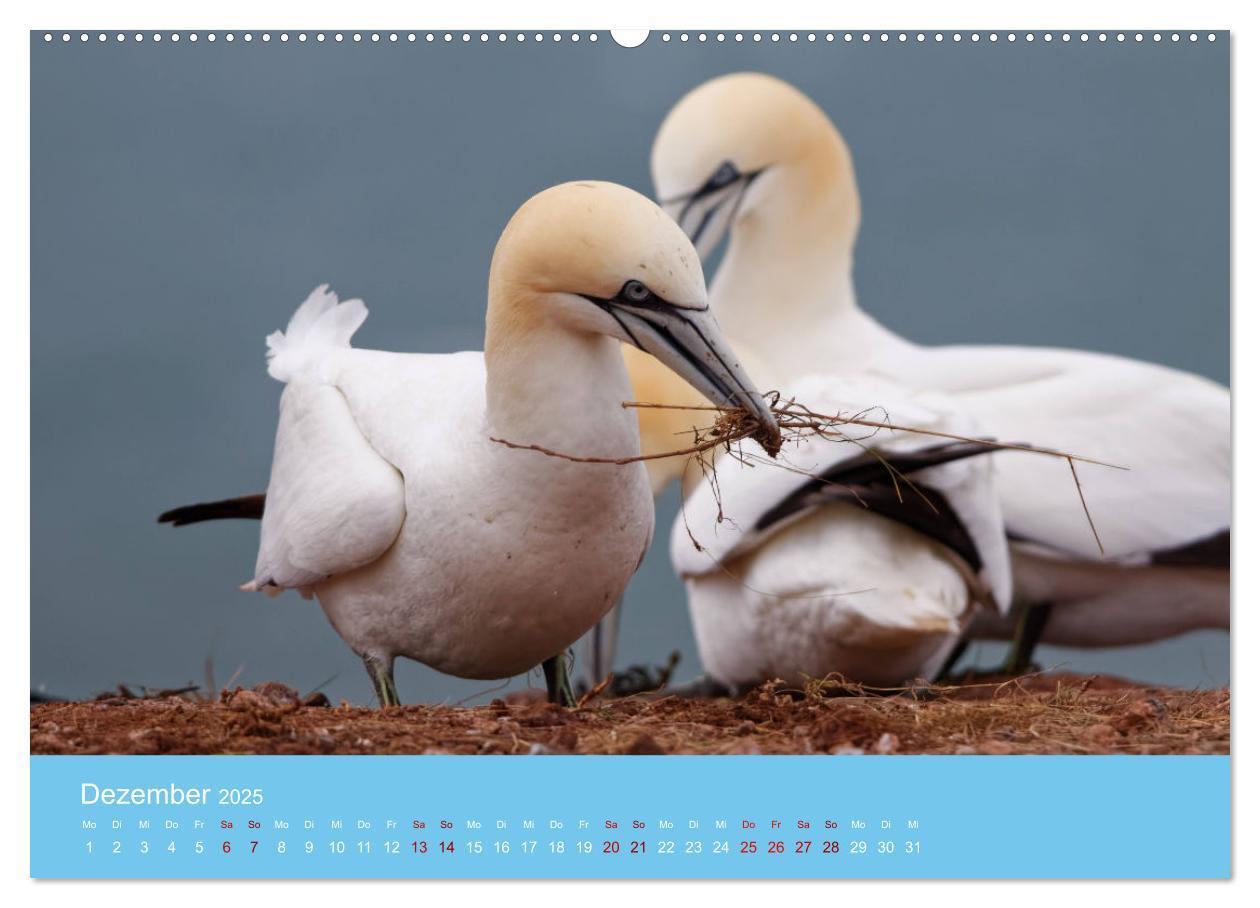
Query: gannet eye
x=635, y=292
x=724, y=175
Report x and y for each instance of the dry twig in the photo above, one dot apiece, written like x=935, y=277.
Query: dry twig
x=732, y=425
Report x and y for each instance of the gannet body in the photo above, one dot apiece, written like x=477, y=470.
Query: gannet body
x=788, y=575
x=748, y=154
x=422, y=536
x=871, y=566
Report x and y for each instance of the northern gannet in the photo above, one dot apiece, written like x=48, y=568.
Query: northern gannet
x=852, y=569
x=749, y=155
x=423, y=537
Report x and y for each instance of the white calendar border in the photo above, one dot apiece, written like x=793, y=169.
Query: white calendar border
x=547, y=14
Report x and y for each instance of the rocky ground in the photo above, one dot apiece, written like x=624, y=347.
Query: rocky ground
x=1039, y=714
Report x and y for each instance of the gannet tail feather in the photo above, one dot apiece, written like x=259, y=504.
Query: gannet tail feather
x=319, y=325
x=247, y=507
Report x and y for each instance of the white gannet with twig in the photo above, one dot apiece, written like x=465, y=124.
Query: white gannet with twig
x=392, y=498
x=864, y=557
x=749, y=156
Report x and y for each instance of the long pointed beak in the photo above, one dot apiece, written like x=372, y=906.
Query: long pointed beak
x=689, y=341
x=707, y=214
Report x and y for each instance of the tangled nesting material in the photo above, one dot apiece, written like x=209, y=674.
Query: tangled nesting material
x=732, y=425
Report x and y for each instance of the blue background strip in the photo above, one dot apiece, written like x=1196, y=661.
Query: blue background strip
x=861, y=817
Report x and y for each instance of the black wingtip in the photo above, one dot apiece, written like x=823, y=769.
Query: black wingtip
x=247, y=507
x=178, y=516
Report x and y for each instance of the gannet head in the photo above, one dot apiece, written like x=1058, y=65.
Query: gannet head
x=736, y=144
x=599, y=258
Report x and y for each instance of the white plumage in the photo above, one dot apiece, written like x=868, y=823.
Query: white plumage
x=1169, y=429
x=420, y=536
x=389, y=498
x=837, y=586
x=333, y=504
x=784, y=290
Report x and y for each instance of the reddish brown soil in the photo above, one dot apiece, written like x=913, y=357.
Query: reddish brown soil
x=1037, y=714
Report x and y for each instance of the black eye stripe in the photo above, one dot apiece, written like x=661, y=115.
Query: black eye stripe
x=745, y=180
x=651, y=302
x=635, y=294
x=705, y=220
x=726, y=174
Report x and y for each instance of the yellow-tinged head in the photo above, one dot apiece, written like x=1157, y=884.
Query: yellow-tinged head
x=589, y=238
x=743, y=142
x=600, y=259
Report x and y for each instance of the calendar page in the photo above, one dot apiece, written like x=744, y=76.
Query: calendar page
x=770, y=454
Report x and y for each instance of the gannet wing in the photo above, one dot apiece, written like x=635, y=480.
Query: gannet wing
x=888, y=485
x=1170, y=429
x=944, y=491
x=333, y=503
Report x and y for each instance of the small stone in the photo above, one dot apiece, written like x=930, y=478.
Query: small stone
x=644, y=744
x=279, y=694
x=1100, y=734
x=887, y=743
x=565, y=740
x=250, y=701
x=995, y=747
x=526, y=697
x=47, y=744
x=847, y=750
x=541, y=714
x=1140, y=714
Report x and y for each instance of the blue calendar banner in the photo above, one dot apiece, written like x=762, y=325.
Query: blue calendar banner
x=591, y=817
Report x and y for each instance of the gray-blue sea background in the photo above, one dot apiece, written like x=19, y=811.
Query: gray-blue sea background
x=185, y=197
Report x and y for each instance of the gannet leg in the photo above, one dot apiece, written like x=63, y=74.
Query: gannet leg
x=954, y=657
x=381, y=671
x=556, y=671
x=1032, y=622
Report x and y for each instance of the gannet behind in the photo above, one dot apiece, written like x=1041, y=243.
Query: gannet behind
x=845, y=570
x=750, y=154
x=420, y=535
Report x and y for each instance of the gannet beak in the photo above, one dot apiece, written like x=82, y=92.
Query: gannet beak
x=707, y=213
x=688, y=340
